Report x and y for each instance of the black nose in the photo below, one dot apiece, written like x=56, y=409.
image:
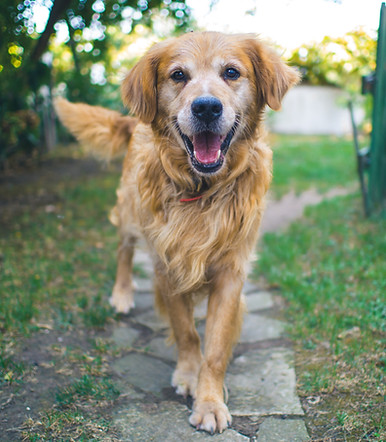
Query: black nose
x=206, y=109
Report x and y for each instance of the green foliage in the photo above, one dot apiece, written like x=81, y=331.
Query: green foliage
x=19, y=120
x=32, y=60
x=337, y=61
x=95, y=47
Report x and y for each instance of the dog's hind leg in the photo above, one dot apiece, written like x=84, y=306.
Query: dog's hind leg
x=122, y=298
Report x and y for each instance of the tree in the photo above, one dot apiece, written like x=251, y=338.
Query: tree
x=338, y=62
x=28, y=63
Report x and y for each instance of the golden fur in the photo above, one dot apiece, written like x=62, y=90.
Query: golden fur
x=201, y=245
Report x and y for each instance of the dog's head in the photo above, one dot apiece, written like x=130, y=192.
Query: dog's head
x=207, y=90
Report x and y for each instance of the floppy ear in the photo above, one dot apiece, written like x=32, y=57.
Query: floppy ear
x=273, y=76
x=139, y=88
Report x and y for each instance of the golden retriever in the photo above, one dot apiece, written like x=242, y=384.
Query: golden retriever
x=193, y=184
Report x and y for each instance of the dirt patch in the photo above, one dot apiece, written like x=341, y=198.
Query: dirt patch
x=51, y=360
x=41, y=379
x=280, y=214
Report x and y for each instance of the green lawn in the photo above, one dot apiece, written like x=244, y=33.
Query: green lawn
x=302, y=162
x=57, y=271
x=330, y=267
x=57, y=262
x=58, y=259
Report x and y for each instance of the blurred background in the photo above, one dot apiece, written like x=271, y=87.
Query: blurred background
x=82, y=49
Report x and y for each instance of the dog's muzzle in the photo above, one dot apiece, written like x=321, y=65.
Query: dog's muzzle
x=207, y=147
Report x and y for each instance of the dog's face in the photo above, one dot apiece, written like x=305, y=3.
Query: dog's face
x=205, y=90
x=208, y=90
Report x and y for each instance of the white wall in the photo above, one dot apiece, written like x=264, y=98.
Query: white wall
x=313, y=110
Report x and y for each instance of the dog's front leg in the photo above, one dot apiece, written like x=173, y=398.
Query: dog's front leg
x=223, y=326
x=185, y=376
x=122, y=298
x=179, y=309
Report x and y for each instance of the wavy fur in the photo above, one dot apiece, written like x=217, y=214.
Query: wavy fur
x=202, y=246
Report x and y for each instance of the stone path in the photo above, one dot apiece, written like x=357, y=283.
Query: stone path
x=260, y=377
x=280, y=214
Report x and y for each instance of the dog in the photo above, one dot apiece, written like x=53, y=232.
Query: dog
x=194, y=178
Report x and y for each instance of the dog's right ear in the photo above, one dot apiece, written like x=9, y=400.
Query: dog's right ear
x=139, y=88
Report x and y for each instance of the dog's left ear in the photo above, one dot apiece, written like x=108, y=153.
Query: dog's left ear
x=273, y=76
x=139, y=88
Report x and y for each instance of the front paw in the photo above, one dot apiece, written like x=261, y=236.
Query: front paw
x=122, y=299
x=210, y=416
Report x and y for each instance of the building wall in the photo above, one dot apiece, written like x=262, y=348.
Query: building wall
x=313, y=110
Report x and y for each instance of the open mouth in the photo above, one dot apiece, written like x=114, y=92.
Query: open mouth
x=207, y=149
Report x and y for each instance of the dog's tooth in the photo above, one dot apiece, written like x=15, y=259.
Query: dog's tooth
x=195, y=154
x=218, y=155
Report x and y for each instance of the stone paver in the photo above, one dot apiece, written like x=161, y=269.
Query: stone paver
x=260, y=328
x=261, y=381
x=159, y=347
x=259, y=301
x=151, y=320
x=256, y=328
x=282, y=430
x=142, y=371
x=164, y=422
x=124, y=337
x=143, y=285
x=143, y=301
x=200, y=310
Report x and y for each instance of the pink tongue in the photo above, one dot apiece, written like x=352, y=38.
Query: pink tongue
x=206, y=147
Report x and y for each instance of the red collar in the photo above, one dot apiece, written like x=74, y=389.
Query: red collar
x=188, y=200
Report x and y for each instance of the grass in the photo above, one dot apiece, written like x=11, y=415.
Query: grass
x=330, y=267
x=54, y=259
x=57, y=266
x=303, y=162
x=77, y=414
x=10, y=371
x=88, y=388
x=81, y=407
x=69, y=424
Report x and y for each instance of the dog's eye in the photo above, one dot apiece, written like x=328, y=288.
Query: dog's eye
x=231, y=74
x=178, y=76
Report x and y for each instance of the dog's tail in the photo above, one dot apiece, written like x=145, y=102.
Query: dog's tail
x=102, y=131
